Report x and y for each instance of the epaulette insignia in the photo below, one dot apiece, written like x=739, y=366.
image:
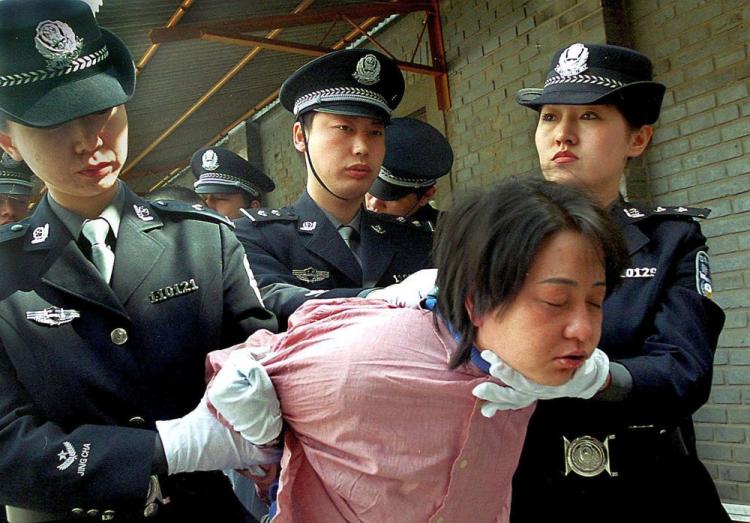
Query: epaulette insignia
x=13, y=230
x=421, y=225
x=195, y=210
x=269, y=215
x=638, y=213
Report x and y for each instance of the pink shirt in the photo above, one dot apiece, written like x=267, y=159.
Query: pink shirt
x=381, y=428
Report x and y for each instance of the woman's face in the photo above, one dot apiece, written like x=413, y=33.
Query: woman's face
x=588, y=146
x=554, y=323
x=79, y=161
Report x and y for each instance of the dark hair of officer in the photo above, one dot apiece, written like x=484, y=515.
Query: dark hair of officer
x=478, y=228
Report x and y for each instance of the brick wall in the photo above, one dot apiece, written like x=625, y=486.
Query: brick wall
x=699, y=155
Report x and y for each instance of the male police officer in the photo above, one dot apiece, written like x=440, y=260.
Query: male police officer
x=108, y=304
x=15, y=189
x=227, y=182
x=325, y=245
x=416, y=155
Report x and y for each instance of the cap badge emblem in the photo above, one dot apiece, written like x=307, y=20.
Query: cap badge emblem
x=368, y=70
x=210, y=160
x=574, y=60
x=57, y=43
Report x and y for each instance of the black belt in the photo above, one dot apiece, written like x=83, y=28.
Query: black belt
x=619, y=454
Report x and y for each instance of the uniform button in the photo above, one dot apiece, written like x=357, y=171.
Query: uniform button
x=93, y=513
x=151, y=510
x=136, y=420
x=108, y=515
x=463, y=464
x=16, y=227
x=119, y=336
x=77, y=513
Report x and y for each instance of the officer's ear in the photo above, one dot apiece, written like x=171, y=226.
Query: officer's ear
x=639, y=140
x=427, y=196
x=6, y=142
x=298, y=136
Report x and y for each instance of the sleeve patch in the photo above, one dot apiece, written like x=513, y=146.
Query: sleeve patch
x=703, y=275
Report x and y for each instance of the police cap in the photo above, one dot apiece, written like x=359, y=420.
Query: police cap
x=588, y=74
x=356, y=82
x=220, y=170
x=57, y=64
x=15, y=177
x=416, y=155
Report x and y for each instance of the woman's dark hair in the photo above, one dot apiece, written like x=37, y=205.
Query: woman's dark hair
x=485, y=245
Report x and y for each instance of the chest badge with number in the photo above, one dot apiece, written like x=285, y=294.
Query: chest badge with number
x=172, y=291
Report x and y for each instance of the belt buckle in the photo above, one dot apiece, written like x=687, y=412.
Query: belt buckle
x=587, y=456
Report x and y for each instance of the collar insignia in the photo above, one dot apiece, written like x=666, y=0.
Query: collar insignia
x=40, y=234
x=53, y=316
x=573, y=61
x=308, y=226
x=378, y=229
x=368, y=70
x=143, y=212
x=57, y=43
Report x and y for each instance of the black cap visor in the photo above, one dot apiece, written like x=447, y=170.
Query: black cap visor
x=59, y=100
x=353, y=109
x=388, y=192
x=213, y=188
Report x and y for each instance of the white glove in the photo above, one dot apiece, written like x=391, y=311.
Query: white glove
x=243, y=393
x=521, y=391
x=197, y=441
x=409, y=292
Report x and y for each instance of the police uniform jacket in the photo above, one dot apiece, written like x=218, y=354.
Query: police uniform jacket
x=79, y=396
x=662, y=326
x=296, y=250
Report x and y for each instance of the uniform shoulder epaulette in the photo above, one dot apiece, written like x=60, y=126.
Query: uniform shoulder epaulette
x=637, y=213
x=420, y=225
x=269, y=215
x=10, y=231
x=196, y=210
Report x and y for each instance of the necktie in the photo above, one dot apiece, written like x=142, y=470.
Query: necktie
x=95, y=231
x=350, y=237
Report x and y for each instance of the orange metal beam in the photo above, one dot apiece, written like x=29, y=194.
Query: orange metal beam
x=319, y=16
x=435, y=31
x=173, y=21
x=203, y=99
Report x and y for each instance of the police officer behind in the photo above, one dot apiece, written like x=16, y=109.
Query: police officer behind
x=227, y=182
x=326, y=242
x=108, y=304
x=16, y=184
x=416, y=155
x=628, y=454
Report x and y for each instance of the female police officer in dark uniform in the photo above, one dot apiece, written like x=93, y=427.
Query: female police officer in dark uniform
x=108, y=304
x=629, y=453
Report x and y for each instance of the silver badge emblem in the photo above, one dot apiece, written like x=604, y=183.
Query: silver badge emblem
x=275, y=212
x=67, y=456
x=682, y=209
x=574, y=60
x=703, y=275
x=262, y=213
x=587, y=456
x=310, y=275
x=378, y=229
x=143, y=213
x=40, y=234
x=308, y=226
x=57, y=43
x=368, y=70
x=209, y=160
x=53, y=316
